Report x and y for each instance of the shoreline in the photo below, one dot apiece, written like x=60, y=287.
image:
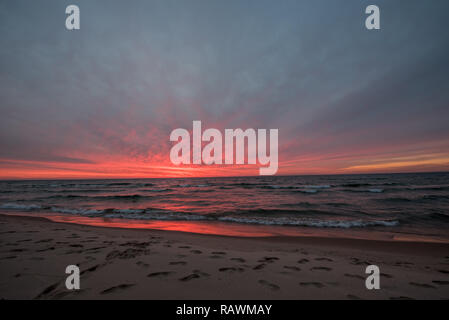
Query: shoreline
x=394, y=244
x=118, y=263
x=229, y=229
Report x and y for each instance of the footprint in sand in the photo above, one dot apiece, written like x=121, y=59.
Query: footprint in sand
x=92, y=269
x=238, y=259
x=201, y=273
x=216, y=257
x=196, y=251
x=178, y=263
x=73, y=251
x=94, y=250
x=269, y=285
x=46, y=249
x=259, y=266
x=47, y=290
x=311, y=284
x=218, y=252
x=127, y=254
x=324, y=259
x=303, y=261
x=359, y=262
x=184, y=247
x=117, y=288
x=43, y=241
x=441, y=282
x=443, y=271
x=320, y=269
x=403, y=264
x=268, y=259
x=292, y=268
x=422, y=285
x=231, y=269
x=386, y=275
x=136, y=244
x=195, y=275
x=160, y=274
x=190, y=277
x=353, y=297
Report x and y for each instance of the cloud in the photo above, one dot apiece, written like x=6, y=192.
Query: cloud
x=108, y=96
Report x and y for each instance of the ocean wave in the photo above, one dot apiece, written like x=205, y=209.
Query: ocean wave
x=155, y=215
x=345, y=224
x=192, y=185
x=19, y=206
x=305, y=190
x=322, y=186
x=278, y=212
x=93, y=185
x=366, y=184
x=156, y=190
x=298, y=204
x=278, y=187
x=246, y=184
x=133, y=214
x=373, y=190
x=84, y=191
x=394, y=199
x=355, y=185
x=109, y=212
x=435, y=197
x=440, y=216
x=83, y=212
x=131, y=197
x=428, y=188
x=262, y=217
x=376, y=190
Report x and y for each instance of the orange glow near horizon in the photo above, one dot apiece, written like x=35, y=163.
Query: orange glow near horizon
x=122, y=169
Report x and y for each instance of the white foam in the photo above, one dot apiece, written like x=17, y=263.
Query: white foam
x=77, y=211
x=345, y=224
x=19, y=206
x=324, y=186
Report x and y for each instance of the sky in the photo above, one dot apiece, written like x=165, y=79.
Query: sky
x=101, y=102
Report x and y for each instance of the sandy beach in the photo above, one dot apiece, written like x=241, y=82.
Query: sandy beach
x=151, y=264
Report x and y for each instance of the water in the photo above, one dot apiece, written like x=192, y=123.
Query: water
x=415, y=204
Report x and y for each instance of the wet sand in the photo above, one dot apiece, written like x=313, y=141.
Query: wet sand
x=152, y=264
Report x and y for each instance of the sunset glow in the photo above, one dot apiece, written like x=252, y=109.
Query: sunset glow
x=102, y=101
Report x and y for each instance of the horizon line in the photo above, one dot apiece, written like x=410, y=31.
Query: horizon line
x=236, y=176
